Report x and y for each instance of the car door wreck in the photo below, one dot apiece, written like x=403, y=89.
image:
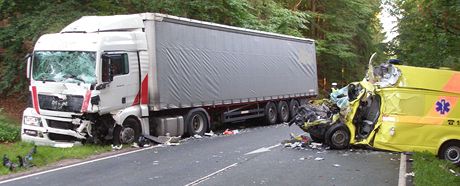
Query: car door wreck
x=395, y=107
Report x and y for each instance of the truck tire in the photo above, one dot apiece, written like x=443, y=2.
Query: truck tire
x=271, y=114
x=196, y=121
x=451, y=151
x=128, y=133
x=338, y=136
x=283, y=112
x=293, y=108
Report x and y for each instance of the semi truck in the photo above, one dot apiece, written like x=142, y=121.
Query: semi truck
x=116, y=78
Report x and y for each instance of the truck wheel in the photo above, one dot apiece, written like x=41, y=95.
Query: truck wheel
x=283, y=112
x=337, y=136
x=128, y=133
x=196, y=121
x=451, y=152
x=270, y=113
x=293, y=107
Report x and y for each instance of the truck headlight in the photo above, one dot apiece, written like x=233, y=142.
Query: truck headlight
x=34, y=121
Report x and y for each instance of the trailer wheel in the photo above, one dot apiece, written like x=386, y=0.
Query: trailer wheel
x=338, y=136
x=128, y=133
x=283, y=112
x=196, y=121
x=451, y=152
x=270, y=113
x=293, y=107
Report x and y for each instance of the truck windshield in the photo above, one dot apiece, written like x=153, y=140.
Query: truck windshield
x=65, y=66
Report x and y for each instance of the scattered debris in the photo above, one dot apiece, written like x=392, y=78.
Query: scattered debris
x=8, y=163
x=319, y=159
x=228, y=132
x=336, y=165
x=210, y=134
x=117, y=147
x=197, y=136
x=23, y=161
x=302, y=158
x=410, y=174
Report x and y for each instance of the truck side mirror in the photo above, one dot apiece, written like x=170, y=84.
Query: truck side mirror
x=29, y=63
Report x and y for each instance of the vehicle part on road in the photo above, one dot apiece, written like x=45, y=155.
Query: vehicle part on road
x=210, y=134
x=283, y=112
x=228, y=132
x=270, y=113
x=197, y=121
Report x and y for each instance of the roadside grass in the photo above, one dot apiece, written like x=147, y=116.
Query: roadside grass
x=9, y=129
x=11, y=146
x=429, y=170
x=46, y=155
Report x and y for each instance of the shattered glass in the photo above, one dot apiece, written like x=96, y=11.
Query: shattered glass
x=65, y=66
x=386, y=75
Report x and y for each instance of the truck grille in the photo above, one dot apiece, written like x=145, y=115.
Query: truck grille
x=60, y=124
x=54, y=103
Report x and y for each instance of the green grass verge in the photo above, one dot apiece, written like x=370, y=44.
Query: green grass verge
x=429, y=170
x=9, y=130
x=47, y=155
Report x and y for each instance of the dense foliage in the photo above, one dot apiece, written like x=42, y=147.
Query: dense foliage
x=8, y=131
x=429, y=32
x=347, y=31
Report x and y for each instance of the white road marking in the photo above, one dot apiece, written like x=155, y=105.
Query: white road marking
x=196, y=182
x=402, y=170
x=74, y=165
x=263, y=149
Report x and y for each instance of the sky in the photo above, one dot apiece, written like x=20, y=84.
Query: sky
x=388, y=23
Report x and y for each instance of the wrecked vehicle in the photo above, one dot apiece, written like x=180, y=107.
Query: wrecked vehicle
x=396, y=108
x=122, y=77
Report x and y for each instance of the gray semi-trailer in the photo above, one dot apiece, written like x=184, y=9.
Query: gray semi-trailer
x=119, y=77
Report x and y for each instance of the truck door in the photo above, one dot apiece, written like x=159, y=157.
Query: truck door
x=121, y=77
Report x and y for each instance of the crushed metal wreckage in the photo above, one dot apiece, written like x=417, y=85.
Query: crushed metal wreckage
x=395, y=107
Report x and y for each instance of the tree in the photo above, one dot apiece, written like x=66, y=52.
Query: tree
x=429, y=33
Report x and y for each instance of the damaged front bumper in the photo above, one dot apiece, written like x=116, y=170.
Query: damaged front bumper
x=50, y=131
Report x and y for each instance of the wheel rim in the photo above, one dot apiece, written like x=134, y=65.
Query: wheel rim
x=284, y=113
x=295, y=108
x=197, y=123
x=127, y=135
x=339, y=137
x=271, y=114
x=453, y=154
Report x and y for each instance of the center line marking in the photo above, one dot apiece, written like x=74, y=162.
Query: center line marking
x=196, y=182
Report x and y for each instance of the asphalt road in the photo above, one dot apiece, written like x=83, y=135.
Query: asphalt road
x=252, y=157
